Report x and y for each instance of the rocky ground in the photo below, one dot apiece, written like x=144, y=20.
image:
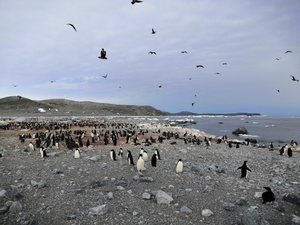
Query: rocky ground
x=60, y=189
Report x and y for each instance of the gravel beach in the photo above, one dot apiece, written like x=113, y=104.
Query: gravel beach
x=60, y=189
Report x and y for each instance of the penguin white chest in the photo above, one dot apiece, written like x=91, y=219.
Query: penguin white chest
x=179, y=167
x=140, y=164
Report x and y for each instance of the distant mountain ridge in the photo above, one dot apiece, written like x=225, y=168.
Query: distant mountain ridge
x=186, y=113
x=13, y=106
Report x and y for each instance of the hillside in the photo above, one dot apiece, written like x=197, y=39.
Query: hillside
x=16, y=106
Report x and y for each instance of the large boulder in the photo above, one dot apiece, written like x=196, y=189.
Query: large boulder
x=240, y=130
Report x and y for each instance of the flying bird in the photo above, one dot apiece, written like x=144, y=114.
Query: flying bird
x=52, y=81
x=159, y=86
x=153, y=31
x=14, y=85
x=135, y=1
x=218, y=73
x=224, y=64
x=193, y=103
x=278, y=91
x=288, y=52
x=152, y=53
x=105, y=76
x=294, y=79
x=102, y=54
x=72, y=26
x=278, y=58
x=199, y=66
x=183, y=52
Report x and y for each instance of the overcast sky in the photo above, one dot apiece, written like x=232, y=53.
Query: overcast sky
x=37, y=46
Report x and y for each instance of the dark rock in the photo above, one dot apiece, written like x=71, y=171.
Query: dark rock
x=241, y=202
x=3, y=209
x=228, y=206
x=96, y=184
x=240, y=130
x=18, y=196
x=251, y=217
x=122, y=181
x=216, y=169
x=292, y=198
x=70, y=216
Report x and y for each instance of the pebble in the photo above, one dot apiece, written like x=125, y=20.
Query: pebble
x=98, y=210
x=16, y=207
x=162, y=197
x=3, y=209
x=295, y=220
x=3, y=193
x=228, y=206
x=120, y=188
x=185, y=210
x=146, y=195
x=251, y=217
x=207, y=212
x=110, y=195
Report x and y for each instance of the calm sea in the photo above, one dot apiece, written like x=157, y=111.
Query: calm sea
x=279, y=130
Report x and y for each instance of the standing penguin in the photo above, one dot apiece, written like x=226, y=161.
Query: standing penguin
x=140, y=164
x=290, y=152
x=31, y=146
x=244, y=169
x=179, y=166
x=154, y=160
x=113, y=155
x=157, y=154
x=43, y=152
x=120, y=153
x=77, y=153
x=268, y=196
x=281, y=151
x=145, y=156
x=129, y=158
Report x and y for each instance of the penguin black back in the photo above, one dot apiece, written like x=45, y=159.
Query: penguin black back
x=290, y=152
x=154, y=160
x=244, y=169
x=130, y=158
x=268, y=196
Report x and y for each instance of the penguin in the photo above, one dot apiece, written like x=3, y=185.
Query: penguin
x=145, y=156
x=140, y=164
x=56, y=145
x=43, y=152
x=244, y=169
x=129, y=158
x=285, y=149
x=77, y=153
x=157, y=154
x=113, y=155
x=281, y=151
x=237, y=145
x=31, y=146
x=268, y=196
x=229, y=145
x=154, y=160
x=290, y=152
x=271, y=147
x=120, y=153
x=179, y=166
x=0, y=155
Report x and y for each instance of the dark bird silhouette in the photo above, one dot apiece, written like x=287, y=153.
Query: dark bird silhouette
x=120, y=87
x=288, y=52
x=159, y=86
x=14, y=85
x=52, y=81
x=195, y=95
x=72, y=26
x=278, y=91
x=152, y=53
x=153, y=31
x=19, y=96
x=224, y=64
x=105, y=76
x=199, y=66
x=193, y=103
x=268, y=196
x=135, y=1
x=278, y=58
x=218, y=73
x=294, y=79
x=190, y=78
x=102, y=54
x=183, y=52
x=244, y=169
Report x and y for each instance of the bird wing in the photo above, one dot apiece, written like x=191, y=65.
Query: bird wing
x=72, y=26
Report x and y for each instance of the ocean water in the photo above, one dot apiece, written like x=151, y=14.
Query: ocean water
x=279, y=130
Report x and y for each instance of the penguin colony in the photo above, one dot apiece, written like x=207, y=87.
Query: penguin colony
x=110, y=133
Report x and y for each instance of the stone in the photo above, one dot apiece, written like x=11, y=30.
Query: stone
x=34, y=183
x=257, y=194
x=16, y=207
x=251, y=217
x=146, y=195
x=98, y=210
x=135, y=213
x=228, y=206
x=3, y=193
x=110, y=195
x=96, y=184
x=145, y=180
x=184, y=151
x=163, y=198
x=42, y=184
x=291, y=198
x=95, y=158
x=217, y=169
x=185, y=210
x=240, y=130
x=120, y=188
x=70, y=216
x=241, y=202
x=207, y=212
x=3, y=209
x=295, y=220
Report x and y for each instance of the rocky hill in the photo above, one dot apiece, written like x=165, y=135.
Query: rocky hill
x=20, y=106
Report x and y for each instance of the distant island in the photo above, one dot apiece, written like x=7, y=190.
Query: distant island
x=21, y=106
